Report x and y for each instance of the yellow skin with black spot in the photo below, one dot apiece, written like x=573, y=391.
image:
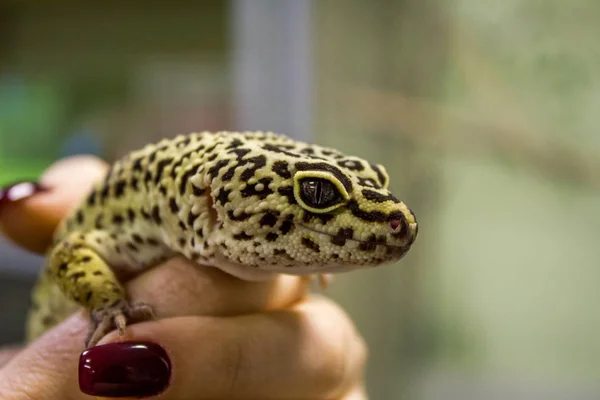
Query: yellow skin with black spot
x=253, y=204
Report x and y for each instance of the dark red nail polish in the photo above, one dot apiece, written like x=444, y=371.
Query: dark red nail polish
x=17, y=191
x=127, y=369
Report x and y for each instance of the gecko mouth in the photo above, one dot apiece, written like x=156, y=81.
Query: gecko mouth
x=369, y=243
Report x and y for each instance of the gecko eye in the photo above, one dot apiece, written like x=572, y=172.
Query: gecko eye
x=319, y=193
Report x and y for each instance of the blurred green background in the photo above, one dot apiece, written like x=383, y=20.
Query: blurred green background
x=484, y=112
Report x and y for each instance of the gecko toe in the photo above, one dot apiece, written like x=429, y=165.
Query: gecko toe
x=140, y=312
x=100, y=327
x=117, y=316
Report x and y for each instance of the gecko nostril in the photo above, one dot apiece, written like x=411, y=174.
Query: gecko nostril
x=395, y=225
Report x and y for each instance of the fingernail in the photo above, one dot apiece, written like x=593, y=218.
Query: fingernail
x=17, y=191
x=126, y=369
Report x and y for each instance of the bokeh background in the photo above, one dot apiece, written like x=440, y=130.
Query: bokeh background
x=485, y=113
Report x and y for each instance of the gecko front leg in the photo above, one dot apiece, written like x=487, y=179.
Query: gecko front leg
x=84, y=277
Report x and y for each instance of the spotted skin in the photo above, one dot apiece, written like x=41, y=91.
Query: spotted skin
x=253, y=204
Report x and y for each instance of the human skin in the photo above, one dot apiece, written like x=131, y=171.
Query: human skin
x=223, y=337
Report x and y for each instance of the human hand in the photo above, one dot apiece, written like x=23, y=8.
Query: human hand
x=219, y=337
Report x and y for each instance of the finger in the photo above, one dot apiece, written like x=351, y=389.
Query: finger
x=309, y=351
x=180, y=287
x=357, y=393
x=30, y=222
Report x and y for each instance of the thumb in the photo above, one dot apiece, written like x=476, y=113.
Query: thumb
x=47, y=368
x=8, y=352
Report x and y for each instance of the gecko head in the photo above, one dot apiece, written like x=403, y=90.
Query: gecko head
x=296, y=208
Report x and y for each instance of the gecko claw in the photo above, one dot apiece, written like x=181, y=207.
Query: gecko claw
x=120, y=323
x=116, y=316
